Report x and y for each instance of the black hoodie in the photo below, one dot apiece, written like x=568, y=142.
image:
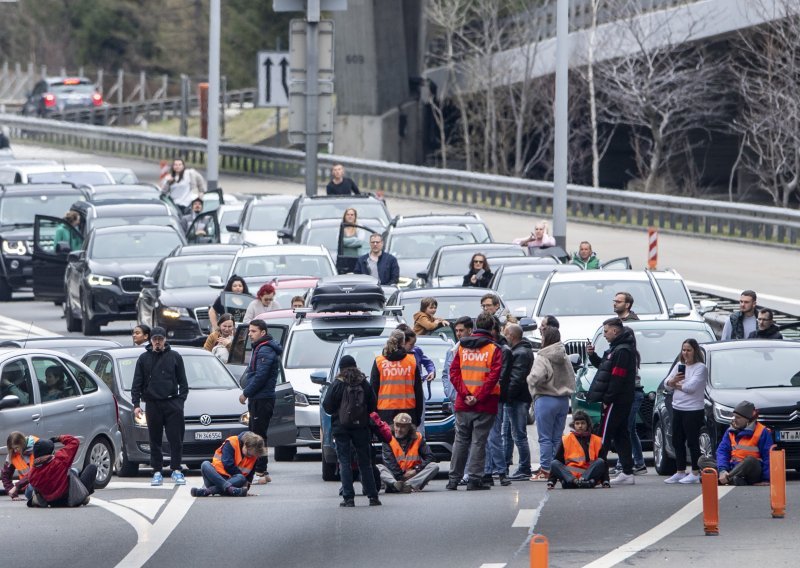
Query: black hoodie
x=772, y=332
x=375, y=381
x=159, y=375
x=521, y=363
x=333, y=397
x=615, y=380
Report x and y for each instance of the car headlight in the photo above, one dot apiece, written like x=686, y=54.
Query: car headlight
x=245, y=418
x=723, y=413
x=14, y=248
x=173, y=313
x=404, y=282
x=98, y=280
x=300, y=399
x=140, y=421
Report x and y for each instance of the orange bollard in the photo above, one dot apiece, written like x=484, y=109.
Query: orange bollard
x=777, y=482
x=539, y=551
x=710, y=502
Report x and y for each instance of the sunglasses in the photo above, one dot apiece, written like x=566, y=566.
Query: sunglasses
x=477, y=262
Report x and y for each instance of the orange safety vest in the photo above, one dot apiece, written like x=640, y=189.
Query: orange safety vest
x=746, y=446
x=397, y=383
x=23, y=467
x=475, y=367
x=575, y=458
x=410, y=458
x=245, y=464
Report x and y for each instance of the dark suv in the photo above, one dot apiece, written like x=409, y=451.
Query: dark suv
x=331, y=207
x=19, y=204
x=56, y=95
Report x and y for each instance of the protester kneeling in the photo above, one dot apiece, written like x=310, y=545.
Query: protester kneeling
x=231, y=470
x=52, y=481
x=407, y=460
x=580, y=461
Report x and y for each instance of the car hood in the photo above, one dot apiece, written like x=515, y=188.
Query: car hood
x=19, y=233
x=259, y=238
x=132, y=266
x=301, y=380
x=188, y=297
x=214, y=402
x=410, y=266
x=787, y=397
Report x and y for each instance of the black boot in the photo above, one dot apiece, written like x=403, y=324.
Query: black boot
x=488, y=480
x=477, y=485
x=504, y=480
x=452, y=485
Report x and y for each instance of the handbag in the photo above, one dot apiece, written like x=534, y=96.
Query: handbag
x=77, y=492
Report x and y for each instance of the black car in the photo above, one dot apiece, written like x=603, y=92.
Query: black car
x=104, y=278
x=450, y=263
x=73, y=346
x=55, y=95
x=765, y=372
x=177, y=296
x=331, y=207
x=19, y=205
x=472, y=221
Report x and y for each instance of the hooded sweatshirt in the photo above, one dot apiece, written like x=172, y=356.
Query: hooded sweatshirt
x=487, y=402
x=375, y=380
x=552, y=373
x=334, y=394
x=159, y=375
x=772, y=332
x=50, y=479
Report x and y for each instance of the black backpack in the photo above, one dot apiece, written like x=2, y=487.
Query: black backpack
x=353, y=407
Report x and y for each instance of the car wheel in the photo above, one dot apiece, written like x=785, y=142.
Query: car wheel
x=329, y=471
x=73, y=323
x=665, y=465
x=126, y=467
x=101, y=455
x=5, y=290
x=285, y=453
x=88, y=326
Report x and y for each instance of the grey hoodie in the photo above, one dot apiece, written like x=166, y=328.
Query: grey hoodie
x=552, y=373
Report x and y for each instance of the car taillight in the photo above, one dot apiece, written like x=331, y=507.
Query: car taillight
x=116, y=408
x=97, y=99
x=49, y=100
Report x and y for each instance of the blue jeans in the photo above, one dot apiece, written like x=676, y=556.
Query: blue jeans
x=516, y=418
x=508, y=439
x=218, y=483
x=360, y=439
x=636, y=443
x=495, y=456
x=551, y=416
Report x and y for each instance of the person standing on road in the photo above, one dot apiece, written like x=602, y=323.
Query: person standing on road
x=378, y=264
x=350, y=385
x=743, y=322
x=518, y=402
x=551, y=382
x=462, y=328
x=63, y=233
x=260, y=381
x=50, y=475
x=614, y=385
x=340, y=185
x=495, y=452
x=580, y=461
x=231, y=470
x=182, y=185
x=408, y=462
x=479, y=273
x=19, y=460
x=141, y=335
x=160, y=381
x=475, y=374
x=766, y=326
x=396, y=381
x=687, y=382
x=585, y=257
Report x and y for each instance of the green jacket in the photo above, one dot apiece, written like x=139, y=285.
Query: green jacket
x=592, y=264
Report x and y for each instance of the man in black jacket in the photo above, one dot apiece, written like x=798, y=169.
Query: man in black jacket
x=408, y=462
x=518, y=402
x=766, y=328
x=614, y=386
x=340, y=185
x=160, y=380
x=377, y=263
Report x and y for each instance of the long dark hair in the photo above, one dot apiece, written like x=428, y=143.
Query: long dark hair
x=698, y=353
x=486, y=267
x=175, y=176
x=234, y=278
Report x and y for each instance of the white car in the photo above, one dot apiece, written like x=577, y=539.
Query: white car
x=79, y=174
x=262, y=218
x=258, y=265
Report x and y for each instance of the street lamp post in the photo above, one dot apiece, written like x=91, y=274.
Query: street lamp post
x=561, y=125
x=212, y=151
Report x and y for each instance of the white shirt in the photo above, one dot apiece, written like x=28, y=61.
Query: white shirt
x=692, y=393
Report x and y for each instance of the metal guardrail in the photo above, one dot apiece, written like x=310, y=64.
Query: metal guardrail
x=768, y=225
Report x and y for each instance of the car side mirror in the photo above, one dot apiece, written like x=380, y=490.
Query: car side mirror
x=680, y=311
x=423, y=275
x=75, y=256
x=148, y=282
x=234, y=228
x=9, y=401
x=285, y=234
x=707, y=306
x=216, y=282
x=527, y=324
x=319, y=377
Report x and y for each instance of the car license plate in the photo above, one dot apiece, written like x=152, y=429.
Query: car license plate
x=208, y=435
x=789, y=435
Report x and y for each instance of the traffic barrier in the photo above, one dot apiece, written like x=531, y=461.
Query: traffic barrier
x=164, y=167
x=539, y=551
x=652, y=250
x=710, y=502
x=777, y=482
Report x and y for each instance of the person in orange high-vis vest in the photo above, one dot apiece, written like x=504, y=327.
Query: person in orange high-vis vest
x=230, y=472
x=397, y=382
x=580, y=460
x=408, y=463
x=19, y=460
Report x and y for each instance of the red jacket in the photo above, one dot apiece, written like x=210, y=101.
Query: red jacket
x=487, y=402
x=50, y=479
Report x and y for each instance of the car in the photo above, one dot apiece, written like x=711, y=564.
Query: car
x=212, y=411
x=259, y=265
x=75, y=347
x=331, y=207
x=78, y=174
x=103, y=280
x=205, y=249
x=762, y=371
x=129, y=193
x=449, y=263
x=124, y=176
x=83, y=407
x=519, y=286
x=472, y=221
x=56, y=95
x=177, y=296
x=327, y=232
x=287, y=287
x=659, y=343
x=229, y=214
x=413, y=246
x=439, y=417
x=260, y=220
x=499, y=261
x=19, y=205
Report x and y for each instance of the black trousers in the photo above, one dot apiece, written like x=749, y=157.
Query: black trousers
x=615, y=429
x=165, y=416
x=686, y=426
x=261, y=410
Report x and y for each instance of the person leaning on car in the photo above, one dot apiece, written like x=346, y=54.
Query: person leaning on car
x=377, y=263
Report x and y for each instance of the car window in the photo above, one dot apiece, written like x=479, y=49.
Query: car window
x=522, y=286
x=23, y=208
x=85, y=382
x=480, y=232
x=134, y=244
x=194, y=274
x=160, y=220
x=317, y=348
x=317, y=266
x=15, y=379
x=421, y=244
x=202, y=372
x=267, y=217
x=659, y=345
x=674, y=292
x=754, y=366
x=104, y=368
x=456, y=262
x=450, y=307
x=230, y=217
x=595, y=297
x=54, y=381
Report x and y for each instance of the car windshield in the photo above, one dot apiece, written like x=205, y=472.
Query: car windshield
x=228, y=217
x=194, y=274
x=328, y=236
x=365, y=355
x=317, y=266
x=335, y=209
x=450, y=307
x=76, y=88
x=421, y=244
x=674, y=292
x=163, y=220
x=595, y=297
x=79, y=178
x=480, y=232
x=21, y=209
x=750, y=367
x=659, y=345
x=316, y=348
x=456, y=262
x=134, y=244
x=201, y=372
x=284, y=295
x=522, y=285
x=267, y=217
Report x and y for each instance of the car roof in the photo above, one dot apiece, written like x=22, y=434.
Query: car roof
x=536, y=267
x=58, y=340
x=283, y=249
x=435, y=339
x=48, y=168
x=427, y=228
x=138, y=350
x=134, y=208
x=436, y=219
x=189, y=259
x=338, y=320
x=479, y=247
x=40, y=188
x=330, y=221
x=468, y=291
x=211, y=248
x=126, y=187
x=6, y=352
x=130, y=228
x=305, y=198
x=600, y=275
x=750, y=343
x=259, y=200
x=671, y=323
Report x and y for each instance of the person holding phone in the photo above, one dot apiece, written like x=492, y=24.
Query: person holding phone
x=687, y=381
x=479, y=273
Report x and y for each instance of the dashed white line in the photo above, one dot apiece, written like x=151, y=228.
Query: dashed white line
x=524, y=518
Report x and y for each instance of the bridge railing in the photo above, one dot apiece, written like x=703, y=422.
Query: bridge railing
x=768, y=225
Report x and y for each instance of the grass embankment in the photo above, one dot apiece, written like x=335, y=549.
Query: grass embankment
x=242, y=126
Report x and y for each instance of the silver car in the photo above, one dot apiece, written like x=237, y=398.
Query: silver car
x=46, y=393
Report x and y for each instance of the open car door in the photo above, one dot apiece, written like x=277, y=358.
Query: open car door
x=50, y=256
x=236, y=304
x=204, y=229
x=349, y=248
x=623, y=263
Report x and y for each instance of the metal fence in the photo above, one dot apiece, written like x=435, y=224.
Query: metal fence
x=768, y=225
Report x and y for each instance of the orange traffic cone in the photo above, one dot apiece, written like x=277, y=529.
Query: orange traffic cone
x=777, y=482
x=539, y=551
x=710, y=502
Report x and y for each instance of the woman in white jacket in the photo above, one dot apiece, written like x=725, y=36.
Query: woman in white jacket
x=551, y=382
x=183, y=185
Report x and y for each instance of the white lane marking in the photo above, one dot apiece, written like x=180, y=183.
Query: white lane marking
x=24, y=328
x=733, y=293
x=662, y=530
x=135, y=485
x=150, y=535
x=495, y=565
x=524, y=547
x=146, y=507
x=524, y=518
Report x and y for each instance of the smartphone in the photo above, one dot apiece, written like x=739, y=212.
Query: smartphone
x=681, y=368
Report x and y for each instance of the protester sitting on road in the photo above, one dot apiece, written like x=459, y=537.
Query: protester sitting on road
x=408, y=463
x=479, y=273
x=539, y=237
x=19, y=460
x=396, y=380
x=264, y=302
x=49, y=476
x=298, y=302
x=742, y=322
x=55, y=387
x=585, y=257
x=766, y=326
x=580, y=461
x=231, y=470
x=743, y=451
x=235, y=285
x=687, y=381
x=425, y=320
x=220, y=340
x=141, y=334
x=462, y=328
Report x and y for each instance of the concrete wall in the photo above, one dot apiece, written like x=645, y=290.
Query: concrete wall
x=379, y=137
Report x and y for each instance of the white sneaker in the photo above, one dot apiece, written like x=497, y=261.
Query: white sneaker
x=691, y=478
x=261, y=479
x=624, y=479
x=676, y=478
